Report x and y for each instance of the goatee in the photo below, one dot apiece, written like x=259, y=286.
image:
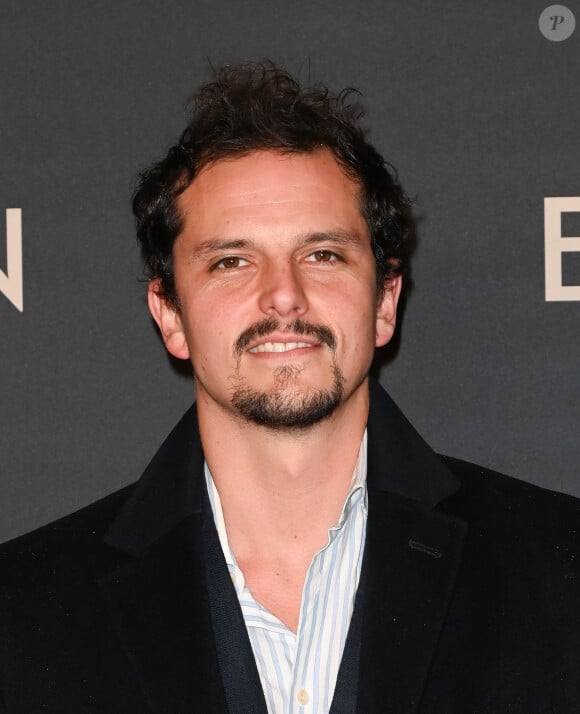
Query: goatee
x=286, y=406
x=282, y=409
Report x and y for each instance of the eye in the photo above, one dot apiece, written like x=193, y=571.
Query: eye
x=231, y=262
x=323, y=256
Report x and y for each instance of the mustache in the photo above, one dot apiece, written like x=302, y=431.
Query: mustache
x=299, y=327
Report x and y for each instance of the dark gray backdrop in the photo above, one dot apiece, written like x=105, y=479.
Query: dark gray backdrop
x=475, y=107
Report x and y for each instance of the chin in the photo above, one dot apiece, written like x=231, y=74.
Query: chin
x=287, y=406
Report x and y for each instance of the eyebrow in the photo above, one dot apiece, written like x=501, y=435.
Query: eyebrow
x=335, y=236
x=217, y=245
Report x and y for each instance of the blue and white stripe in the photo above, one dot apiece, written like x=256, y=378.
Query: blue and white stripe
x=298, y=671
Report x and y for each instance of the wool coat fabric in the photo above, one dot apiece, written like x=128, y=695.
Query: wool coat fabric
x=472, y=601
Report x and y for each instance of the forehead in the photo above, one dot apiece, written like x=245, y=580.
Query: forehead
x=307, y=191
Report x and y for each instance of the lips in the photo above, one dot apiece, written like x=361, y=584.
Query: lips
x=269, y=335
x=279, y=346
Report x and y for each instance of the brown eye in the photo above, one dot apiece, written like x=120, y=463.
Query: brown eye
x=230, y=263
x=322, y=256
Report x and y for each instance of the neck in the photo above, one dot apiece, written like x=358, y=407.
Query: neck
x=278, y=487
x=281, y=492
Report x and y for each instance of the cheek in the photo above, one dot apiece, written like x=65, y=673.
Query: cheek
x=362, y=328
x=211, y=335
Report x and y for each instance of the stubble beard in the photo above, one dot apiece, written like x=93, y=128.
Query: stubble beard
x=288, y=405
x=285, y=408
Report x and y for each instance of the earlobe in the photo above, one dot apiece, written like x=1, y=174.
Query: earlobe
x=168, y=320
x=387, y=311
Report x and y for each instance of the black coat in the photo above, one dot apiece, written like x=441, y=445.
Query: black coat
x=473, y=602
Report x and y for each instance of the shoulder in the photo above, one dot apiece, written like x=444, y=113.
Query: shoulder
x=483, y=487
x=517, y=516
x=78, y=536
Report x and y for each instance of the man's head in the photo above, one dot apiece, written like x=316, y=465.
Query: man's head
x=254, y=107
x=275, y=239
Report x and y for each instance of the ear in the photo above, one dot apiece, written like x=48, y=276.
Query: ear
x=168, y=320
x=387, y=311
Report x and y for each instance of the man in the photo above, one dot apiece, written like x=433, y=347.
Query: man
x=294, y=546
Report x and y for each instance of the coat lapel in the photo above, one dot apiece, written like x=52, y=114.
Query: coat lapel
x=158, y=603
x=412, y=555
x=158, y=597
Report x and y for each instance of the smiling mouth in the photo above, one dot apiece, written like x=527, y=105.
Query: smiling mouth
x=270, y=336
x=279, y=346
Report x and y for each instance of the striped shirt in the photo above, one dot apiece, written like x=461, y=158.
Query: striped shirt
x=298, y=671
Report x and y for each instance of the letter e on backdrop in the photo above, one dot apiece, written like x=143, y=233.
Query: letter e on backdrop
x=555, y=245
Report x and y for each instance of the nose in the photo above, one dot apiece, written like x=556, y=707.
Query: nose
x=282, y=292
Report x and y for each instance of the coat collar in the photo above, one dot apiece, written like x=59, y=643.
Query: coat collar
x=159, y=601
x=169, y=490
x=412, y=557
x=158, y=598
x=399, y=462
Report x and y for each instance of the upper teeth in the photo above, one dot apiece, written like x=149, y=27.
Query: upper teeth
x=279, y=346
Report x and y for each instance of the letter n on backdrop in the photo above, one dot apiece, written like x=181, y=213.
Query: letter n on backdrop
x=11, y=280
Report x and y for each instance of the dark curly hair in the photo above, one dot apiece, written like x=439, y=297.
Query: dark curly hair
x=251, y=107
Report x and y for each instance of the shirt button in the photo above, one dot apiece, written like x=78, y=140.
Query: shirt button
x=303, y=697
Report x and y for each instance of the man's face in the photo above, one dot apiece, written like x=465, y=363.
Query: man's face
x=276, y=281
